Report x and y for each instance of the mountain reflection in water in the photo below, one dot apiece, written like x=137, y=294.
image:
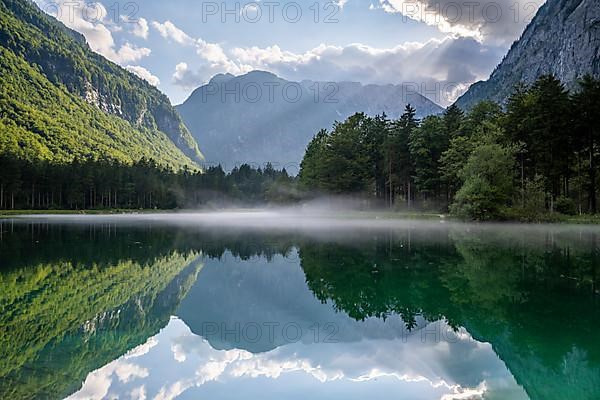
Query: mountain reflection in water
x=413, y=310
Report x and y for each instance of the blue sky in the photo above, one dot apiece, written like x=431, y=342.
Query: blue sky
x=441, y=45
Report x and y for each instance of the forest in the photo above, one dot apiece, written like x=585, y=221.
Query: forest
x=535, y=156
x=532, y=158
x=106, y=184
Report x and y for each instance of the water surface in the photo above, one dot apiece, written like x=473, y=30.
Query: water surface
x=288, y=306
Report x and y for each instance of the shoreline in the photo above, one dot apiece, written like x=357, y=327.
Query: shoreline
x=545, y=219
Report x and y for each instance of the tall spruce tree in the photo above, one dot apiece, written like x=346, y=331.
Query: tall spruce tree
x=551, y=134
x=399, y=163
x=453, y=120
x=427, y=143
x=586, y=104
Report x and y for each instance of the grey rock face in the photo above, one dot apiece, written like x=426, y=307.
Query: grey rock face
x=563, y=39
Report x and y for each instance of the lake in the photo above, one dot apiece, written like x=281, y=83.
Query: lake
x=273, y=305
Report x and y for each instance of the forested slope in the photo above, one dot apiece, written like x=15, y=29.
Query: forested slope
x=61, y=101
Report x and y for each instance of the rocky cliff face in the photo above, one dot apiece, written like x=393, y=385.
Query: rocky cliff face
x=563, y=39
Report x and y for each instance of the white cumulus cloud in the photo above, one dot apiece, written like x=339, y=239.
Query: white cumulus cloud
x=168, y=30
x=141, y=28
x=144, y=74
x=93, y=23
x=442, y=69
x=187, y=78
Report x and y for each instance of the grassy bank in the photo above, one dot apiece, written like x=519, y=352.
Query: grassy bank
x=13, y=213
x=416, y=215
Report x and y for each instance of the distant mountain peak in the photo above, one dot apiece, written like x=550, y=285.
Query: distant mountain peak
x=220, y=78
x=260, y=75
x=256, y=75
x=276, y=124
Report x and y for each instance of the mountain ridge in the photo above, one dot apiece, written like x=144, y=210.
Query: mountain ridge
x=258, y=117
x=61, y=57
x=563, y=39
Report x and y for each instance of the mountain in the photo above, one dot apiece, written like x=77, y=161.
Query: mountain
x=258, y=117
x=59, y=100
x=563, y=39
x=86, y=305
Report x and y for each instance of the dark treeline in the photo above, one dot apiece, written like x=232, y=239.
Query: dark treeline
x=537, y=155
x=43, y=185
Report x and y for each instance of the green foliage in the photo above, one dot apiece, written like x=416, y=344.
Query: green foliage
x=478, y=125
x=65, y=319
x=534, y=195
x=453, y=120
x=490, y=281
x=487, y=185
x=586, y=102
x=427, y=143
x=46, y=72
x=346, y=159
x=453, y=160
x=483, y=112
x=565, y=205
x=552, y=138
x=398, y=162
x=363, y=155
x=309, y=167
x=144, y=184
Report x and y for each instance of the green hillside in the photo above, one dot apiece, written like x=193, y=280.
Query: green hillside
x=46, y=73
x=51, y=344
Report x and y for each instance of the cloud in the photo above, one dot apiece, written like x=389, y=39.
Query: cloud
x=127, y=371
x=186, y=78
x=367, y=359
x=211, y=52
x=141, y=29
x=257, y=56
x=93, y=23
x=138, y=393
x=441, y=69
x=491, y=21
x=217, y=61
x=341, y=3
x=141, y=349
x=212, y=56
x=168, y=30
x=144, y=74
x=420, y=368
x=128, y=53
x=138, y=27
x=99, y=382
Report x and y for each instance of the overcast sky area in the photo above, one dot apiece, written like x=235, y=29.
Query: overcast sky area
x=179, y=45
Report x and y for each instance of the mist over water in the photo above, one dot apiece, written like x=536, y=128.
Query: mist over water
x=344, y=217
